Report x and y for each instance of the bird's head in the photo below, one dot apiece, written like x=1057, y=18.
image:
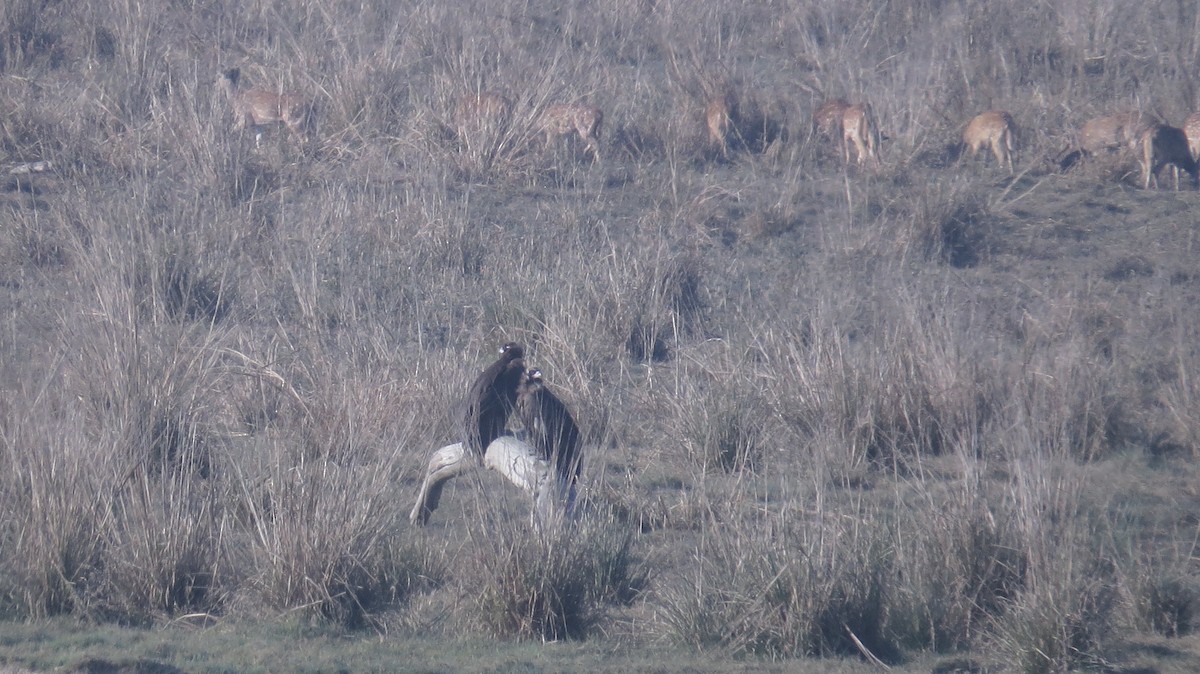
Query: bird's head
x=531, y=380
x=512, y=351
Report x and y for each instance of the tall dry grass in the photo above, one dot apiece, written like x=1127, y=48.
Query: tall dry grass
x=827, y=410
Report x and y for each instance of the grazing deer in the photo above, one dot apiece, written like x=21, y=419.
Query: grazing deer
x=827, y=120
x=1162, y=145
x=564, y=119
x=481, y=123
x=994, y=129
x=1122, y=130
x=1191, y=129
x=719, y=117
x=259, y=107
x=859, y=129
x=476, y=112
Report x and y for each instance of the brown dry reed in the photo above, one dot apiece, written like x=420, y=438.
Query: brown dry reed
x=836, y=411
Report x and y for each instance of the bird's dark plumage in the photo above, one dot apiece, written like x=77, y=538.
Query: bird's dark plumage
x=551, y=428
x=492, y=398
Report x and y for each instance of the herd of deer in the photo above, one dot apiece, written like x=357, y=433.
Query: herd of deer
x=1154, y=143
x=256, y=107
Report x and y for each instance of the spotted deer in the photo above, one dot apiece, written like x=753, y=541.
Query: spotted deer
x=719, y=117
x=859, y=129
x=1161, y=145
x=259, y=107
x=827, y=120
x=564, y=119
x=475, y=113
x=994, y=129
x=1119, y=131
x=481, y=122
x=1191, y=129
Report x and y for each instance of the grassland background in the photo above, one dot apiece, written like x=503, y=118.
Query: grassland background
x=947, y=413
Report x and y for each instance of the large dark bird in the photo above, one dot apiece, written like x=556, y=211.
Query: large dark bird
x=550, y=426
x=492, y=398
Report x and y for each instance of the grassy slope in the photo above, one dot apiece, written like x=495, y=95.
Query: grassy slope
x=928, y=404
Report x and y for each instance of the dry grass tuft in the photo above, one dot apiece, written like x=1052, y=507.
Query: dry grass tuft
x=556, y=584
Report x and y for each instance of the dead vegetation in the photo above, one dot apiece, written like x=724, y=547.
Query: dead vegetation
x=828, y=411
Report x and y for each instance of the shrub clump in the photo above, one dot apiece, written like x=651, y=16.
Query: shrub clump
x=555, y=585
